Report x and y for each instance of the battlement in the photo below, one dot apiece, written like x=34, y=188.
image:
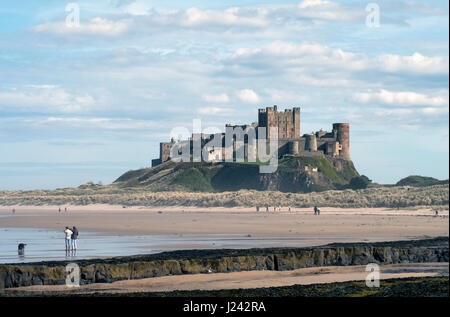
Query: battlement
x=334, y=144
x=287, y=122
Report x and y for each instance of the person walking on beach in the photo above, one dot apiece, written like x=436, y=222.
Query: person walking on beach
x=315, y=210
x=68, y=233
x=74, y=238
x=59, y=210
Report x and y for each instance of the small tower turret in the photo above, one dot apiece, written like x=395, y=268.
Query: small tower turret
x=342, y=132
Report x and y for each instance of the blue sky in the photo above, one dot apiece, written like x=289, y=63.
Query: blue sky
x=88, y=103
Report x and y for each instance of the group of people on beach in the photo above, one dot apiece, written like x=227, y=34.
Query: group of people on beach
x=71, y=238
x=316, y=209
x=275, y=208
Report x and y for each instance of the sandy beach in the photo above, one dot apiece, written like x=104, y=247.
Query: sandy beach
x=364, y=223
x=246, y=227
x=108, y=231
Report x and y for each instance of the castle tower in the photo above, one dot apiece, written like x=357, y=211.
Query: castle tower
x=287, y=122
x=164, y=150
x=342, y=132
x=293, y=147
x=311, y=142
x=296, y=122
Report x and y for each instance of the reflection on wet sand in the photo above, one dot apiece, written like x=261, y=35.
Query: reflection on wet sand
x=48, y=245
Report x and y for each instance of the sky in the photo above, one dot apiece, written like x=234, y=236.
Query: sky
x=90, y=101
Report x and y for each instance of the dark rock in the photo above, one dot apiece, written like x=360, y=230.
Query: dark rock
x=204, y=261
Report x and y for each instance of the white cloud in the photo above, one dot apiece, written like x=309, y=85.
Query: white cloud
x=283, y=96
x=45, y=98
x=409, y=127
x=396, y=112
x=434, y=110
x=242, y=52
x=222, y=98
x=211, y=111
x=94, y=26
x=136, y=8
x=254, y=16
x=100, y=123
x=400, y=98
x=248, y=95
x=411, y=115
x=280, y=48
x=416, y=63
x=230, y=17
x=313, y=56
x=328, y=10
x=143, y=17
x=313, y=3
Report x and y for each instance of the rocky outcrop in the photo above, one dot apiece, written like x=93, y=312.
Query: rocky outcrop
x=205, y=261
x=293, y=174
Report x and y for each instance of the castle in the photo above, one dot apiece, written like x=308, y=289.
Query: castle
x=321, y=143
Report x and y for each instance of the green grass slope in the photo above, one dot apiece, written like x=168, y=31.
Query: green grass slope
x=416, y=180
x=192, y=179
x=294, y=174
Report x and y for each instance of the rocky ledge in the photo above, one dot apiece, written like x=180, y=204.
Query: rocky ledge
x=226, y=260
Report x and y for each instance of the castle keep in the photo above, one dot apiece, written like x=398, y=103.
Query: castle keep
x=321, y=143
x=288, y=122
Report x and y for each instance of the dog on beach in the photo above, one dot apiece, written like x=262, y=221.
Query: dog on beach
x=21, y=248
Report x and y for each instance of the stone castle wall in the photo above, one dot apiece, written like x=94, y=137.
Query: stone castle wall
x=288, y=122
x=334, y=144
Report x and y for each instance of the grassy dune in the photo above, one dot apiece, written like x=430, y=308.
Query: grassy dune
x=380, y=196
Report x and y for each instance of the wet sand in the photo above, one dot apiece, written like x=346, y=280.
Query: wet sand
x=48, y=244
x=250, y=279
x=190, y=228
x=365, y=224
